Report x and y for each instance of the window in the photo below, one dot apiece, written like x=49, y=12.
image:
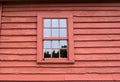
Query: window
x=55, y=38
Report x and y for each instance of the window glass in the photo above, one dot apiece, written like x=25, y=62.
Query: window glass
x=55, y=44
x=47, y=32
x=63, y=23
x=63, y=44
x=47, y=44
x=55, y=32
x=47, y=23
x=63, y=33
x=55, y=23
x=47, y=53
x=63, y=53
x=55, y=53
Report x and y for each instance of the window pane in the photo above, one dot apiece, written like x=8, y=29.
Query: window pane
x=47, y=53
x=55, y=33
x=63, y=44
x=55, y=23
x=63, y=33
x=63, y=53
x=63, y=23
x=47, y=32
x=47, y=44
x=47, y=23
x=55, y=53
x=55, y=44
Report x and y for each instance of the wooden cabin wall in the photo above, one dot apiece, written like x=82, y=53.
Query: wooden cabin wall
x=96, y=43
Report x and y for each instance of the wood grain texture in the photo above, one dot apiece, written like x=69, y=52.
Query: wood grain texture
x=96, y=35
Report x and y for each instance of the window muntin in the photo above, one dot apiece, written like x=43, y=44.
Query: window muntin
x=54, y=32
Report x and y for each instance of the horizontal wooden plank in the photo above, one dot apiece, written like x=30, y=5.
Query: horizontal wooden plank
x=97, y=44
x=61, y=78
x=19, y=19
x=17, y=38
x=96, y=37
x=34, y=70
x=31, y=13
x=97, y=13
x=46, y=8
x=97, y=25
x=96, y=50
x=96, y=31
x=76, y=64
x=8, y=5
x=18, y=51
x=10, y=57
x=18, y=25
x=96, y=19
x=19, y=32
x=19, y=45
x=98, y=57
x=75, y=13
x=95, y=57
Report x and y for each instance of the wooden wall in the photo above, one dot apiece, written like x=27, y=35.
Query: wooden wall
x=96, y=43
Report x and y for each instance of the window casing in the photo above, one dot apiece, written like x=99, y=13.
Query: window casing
x=55, y=38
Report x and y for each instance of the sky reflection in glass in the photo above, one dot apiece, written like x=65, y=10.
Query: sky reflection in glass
x=47, y=44
x=55, y=33
x=47, y=23
x=63, y=23
x=55, y=23
x=63, y=33
x=55, y=44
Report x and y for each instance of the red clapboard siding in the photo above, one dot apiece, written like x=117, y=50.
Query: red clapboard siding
x=96, y=37
x=18, y=19
x=18, y=25
x=19, y=32
x=17, y=38
x=96, y=43
x=78, y=64
x=35, y=70
x=96, y=31
x=18, y=45
x=61, y=9
x=96, y=19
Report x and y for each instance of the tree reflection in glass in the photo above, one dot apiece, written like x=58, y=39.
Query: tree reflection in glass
x=63, y=53
x=55, y=53
x=47, y=53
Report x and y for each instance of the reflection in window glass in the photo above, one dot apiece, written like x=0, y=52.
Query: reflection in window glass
x=47, y=23
x=63, y=33
x=63, y=44
x=55, y=23
x=55, y=33
x=55, y=53
x=63, y=53
x=47, y=53
x=47, y=32
x=63, y=23
x=47, y=44
x=55, y=44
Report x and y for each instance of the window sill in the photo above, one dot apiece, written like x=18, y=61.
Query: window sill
x=56, y=61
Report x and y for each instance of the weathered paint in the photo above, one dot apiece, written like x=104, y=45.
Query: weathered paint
x=96, y=43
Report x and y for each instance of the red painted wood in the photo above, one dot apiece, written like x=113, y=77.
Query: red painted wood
x=16, y=45
x=35, y=70
x=96, y=43
x=18, y=25
x=77, y=64
x=19, y=19
x=0, y=17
